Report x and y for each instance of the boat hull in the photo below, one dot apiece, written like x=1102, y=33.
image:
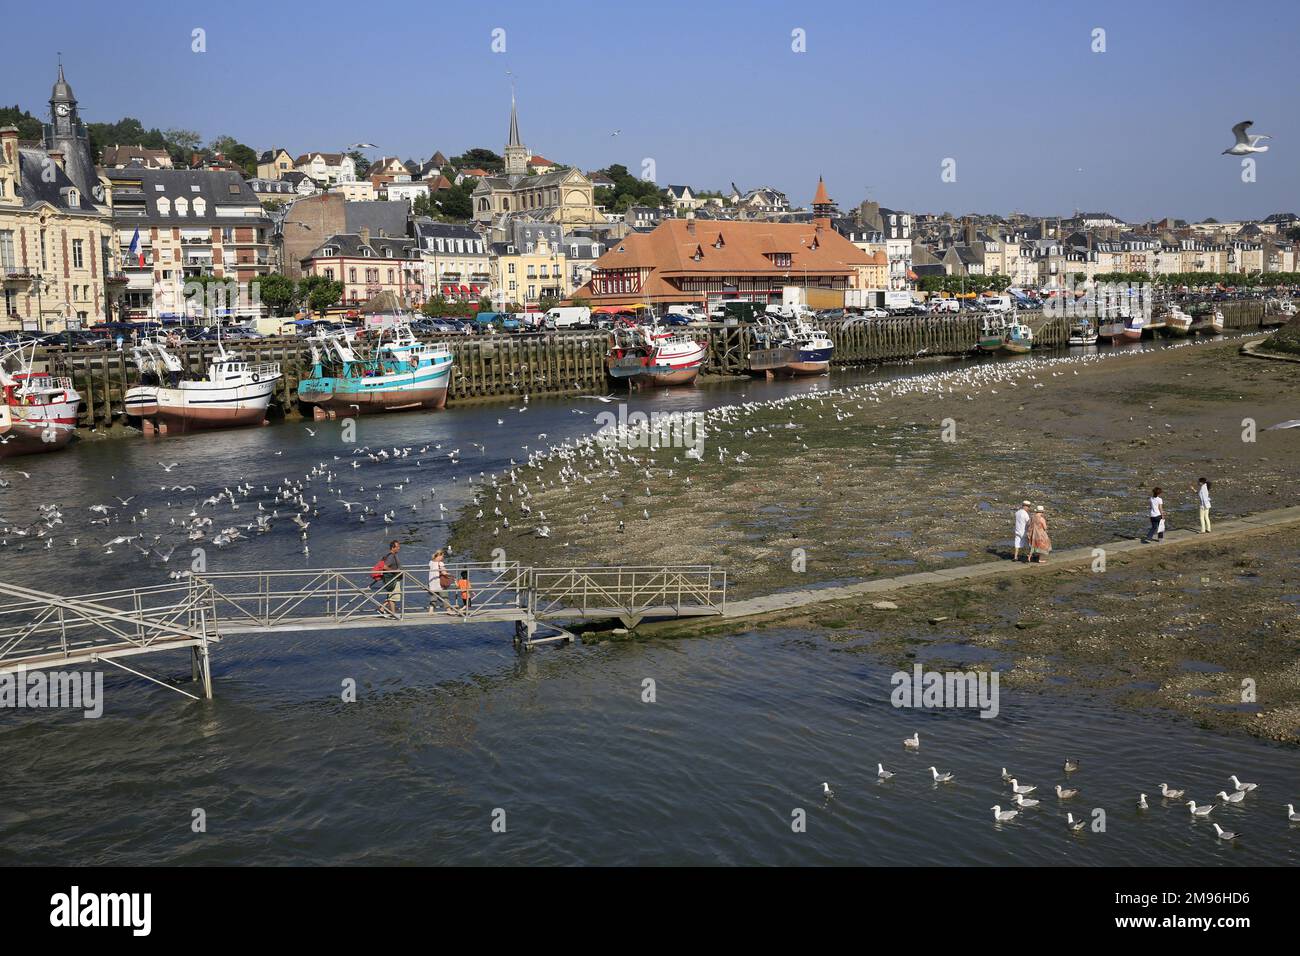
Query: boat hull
x=681, y=368
x=181, y=410
x=35, y=429
x=427, y=388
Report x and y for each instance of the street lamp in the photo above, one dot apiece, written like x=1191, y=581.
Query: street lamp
x=39, y=284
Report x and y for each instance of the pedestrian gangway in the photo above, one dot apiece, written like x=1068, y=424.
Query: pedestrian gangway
x=43, y=630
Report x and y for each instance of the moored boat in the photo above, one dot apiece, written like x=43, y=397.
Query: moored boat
x=1278, y=312
x=1206, y=320
x=1018, y=338
x=785, y=349
x=231, y=392
x=383, y=370
x=38, y=412
x=1177, y=322
x=1120, y=330
x=649, y=355
x=993, y=330
x=1082, y=332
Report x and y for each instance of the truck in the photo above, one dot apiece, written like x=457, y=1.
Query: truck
x=852, y=300
x=569, y=317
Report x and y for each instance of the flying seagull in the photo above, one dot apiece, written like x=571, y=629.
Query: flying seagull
x=1245, y=143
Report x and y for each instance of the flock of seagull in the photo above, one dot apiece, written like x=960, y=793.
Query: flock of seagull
x=1020, y=794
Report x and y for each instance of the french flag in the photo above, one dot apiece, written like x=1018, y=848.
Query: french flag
x=134, y=248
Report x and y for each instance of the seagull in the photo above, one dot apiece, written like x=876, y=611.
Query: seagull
x=1291, y=814
x=1072, y=823
x=826, y=790
x=1003, y=816
x=913, y=742
x=1171, y=794
x=1071, y=765
x=1200, y=811
x=1224, y=834
x=1065, y=793
x=166, y=467
x=1023, y=801
x=1142, y=801
x=1241, y=787
x=1226, y=797
x=1245, y=143
x=940, y=777
x=884, y=774
x=1018, y=788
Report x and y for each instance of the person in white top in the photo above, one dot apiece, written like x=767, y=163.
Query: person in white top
x=1203, y=494
x=1022, y=525
x=439, y=581
x=1157, y=515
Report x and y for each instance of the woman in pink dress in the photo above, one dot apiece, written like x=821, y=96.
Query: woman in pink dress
x=1039, y=542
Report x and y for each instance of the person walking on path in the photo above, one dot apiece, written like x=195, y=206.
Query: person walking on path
x=1022, y=528
x=392, y=578
x=1203, y=497
x=439, y=581
x=1157, y=515
x=1040, y=544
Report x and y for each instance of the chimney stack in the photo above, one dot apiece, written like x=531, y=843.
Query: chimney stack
x=57, y=156
x=365, y=234
x=690, y=225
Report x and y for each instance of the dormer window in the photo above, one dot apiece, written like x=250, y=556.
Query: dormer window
x=74, y=198
x=182, y=206
x=718, y=243
x=328, y=251
x=164, y=206
x=699, y=254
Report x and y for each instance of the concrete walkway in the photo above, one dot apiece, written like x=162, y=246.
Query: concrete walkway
x=1077, y=557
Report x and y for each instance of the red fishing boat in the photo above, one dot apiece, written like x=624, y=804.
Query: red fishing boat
x=39, y=410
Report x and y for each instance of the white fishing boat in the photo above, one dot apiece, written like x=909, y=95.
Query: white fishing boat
x=38, y=412
x=230, y=393
x=649, y=355
x=1082, y=332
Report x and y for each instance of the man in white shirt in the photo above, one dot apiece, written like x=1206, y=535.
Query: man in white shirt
x=1203, y=494
x=1022, y=526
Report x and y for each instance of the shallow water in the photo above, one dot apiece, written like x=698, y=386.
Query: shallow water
x=454, y=722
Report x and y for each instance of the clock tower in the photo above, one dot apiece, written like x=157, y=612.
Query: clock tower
x=67, y=134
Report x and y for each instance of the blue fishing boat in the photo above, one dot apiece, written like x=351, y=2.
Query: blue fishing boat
x=379, y=370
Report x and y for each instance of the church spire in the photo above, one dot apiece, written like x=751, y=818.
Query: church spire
x=517, y=154
x=514, y=123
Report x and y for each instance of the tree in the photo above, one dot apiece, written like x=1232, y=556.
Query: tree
x=1293, y=233
x=480, y=158
x=29, y=127
x=278, y=292
x=362, y=164
x=319, y=292
x=180, y=143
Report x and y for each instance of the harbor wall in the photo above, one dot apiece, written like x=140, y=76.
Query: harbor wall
x=502, y=367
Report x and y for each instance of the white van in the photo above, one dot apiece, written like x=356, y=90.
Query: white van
x=569, y=317
x=694, y=314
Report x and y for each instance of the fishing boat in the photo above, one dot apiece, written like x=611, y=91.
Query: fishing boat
x=1177, y=322
x=1082, y=332
x=1122, y=329
x=39, y=410
x=382, y=370
x=993, y=329
x=230, y=393
x=1018, y=338
x=1206, y=320
x=784, y=349
x=649, y=355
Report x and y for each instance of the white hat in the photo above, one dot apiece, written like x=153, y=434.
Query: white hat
x=1025, y=503
x=1039, y=508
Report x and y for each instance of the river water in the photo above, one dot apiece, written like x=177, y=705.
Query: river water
x=454, y=728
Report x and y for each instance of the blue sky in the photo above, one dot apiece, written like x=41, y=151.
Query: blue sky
x=713, y=92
